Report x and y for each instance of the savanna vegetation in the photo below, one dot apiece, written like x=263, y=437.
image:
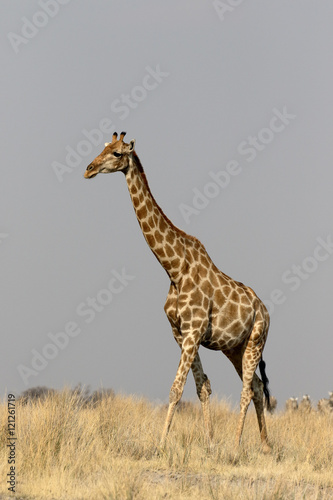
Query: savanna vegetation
x=75, y=445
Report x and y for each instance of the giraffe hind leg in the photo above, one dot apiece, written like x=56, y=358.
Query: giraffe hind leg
x=252, y=386
x=258, y=401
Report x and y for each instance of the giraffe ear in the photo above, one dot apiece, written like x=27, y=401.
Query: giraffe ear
x=107, y=143
x=131, y=145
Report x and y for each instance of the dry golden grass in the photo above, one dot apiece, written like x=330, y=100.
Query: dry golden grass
x=108, y=451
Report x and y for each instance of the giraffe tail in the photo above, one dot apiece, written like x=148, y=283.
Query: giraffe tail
x=262, y=366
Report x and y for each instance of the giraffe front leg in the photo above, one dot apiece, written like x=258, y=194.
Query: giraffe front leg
x=189, y=351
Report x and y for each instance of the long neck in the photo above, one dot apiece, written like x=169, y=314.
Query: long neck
x=165, y=240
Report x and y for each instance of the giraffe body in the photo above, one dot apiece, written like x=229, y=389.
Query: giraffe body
x=204, y=306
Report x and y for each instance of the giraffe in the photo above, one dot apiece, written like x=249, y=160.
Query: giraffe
x=204, y=306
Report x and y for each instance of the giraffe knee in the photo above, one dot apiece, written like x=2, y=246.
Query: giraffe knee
x=175, y=394
x=246, y=396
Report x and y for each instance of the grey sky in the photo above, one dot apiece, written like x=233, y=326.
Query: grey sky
x=242, y=94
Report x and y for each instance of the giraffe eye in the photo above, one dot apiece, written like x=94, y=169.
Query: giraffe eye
x=117, y=155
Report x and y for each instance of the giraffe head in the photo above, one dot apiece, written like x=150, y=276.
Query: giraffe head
x=114, y=157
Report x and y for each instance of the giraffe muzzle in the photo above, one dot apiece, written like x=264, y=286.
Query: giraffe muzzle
x=90, y=173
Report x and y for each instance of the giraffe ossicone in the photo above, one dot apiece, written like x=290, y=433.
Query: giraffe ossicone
x=204, y=306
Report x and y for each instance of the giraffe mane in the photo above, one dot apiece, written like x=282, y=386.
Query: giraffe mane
x=143, y=175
